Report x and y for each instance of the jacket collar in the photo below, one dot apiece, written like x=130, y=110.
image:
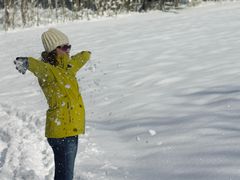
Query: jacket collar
x=63, y=61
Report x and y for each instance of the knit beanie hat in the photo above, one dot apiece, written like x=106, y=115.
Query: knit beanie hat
x=53, y=38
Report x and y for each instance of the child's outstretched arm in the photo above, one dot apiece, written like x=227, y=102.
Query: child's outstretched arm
x=40, y=69
x=77, y=61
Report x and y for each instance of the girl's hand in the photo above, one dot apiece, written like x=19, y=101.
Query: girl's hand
x=21, y=64
x=86, y=54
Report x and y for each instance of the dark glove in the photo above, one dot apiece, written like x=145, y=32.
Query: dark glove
x=21, y=64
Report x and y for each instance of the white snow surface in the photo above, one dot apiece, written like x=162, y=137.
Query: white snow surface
x=162, y=97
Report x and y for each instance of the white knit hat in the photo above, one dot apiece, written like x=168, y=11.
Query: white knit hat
x=53, y=38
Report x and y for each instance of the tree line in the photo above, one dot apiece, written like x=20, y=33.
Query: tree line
x=17, y=13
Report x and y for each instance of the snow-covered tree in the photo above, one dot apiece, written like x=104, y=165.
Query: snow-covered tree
x=34, y=12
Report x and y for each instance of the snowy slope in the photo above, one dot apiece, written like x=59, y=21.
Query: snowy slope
x=162, y=97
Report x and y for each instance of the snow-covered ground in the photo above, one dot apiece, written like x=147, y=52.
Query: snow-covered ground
x=162, y=96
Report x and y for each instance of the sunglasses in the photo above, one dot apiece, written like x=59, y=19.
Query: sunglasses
x=65, y=48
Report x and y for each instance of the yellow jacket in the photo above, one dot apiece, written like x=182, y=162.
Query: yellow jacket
x=66, y=113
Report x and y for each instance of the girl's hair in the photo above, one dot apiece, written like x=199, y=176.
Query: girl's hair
x=49, y=57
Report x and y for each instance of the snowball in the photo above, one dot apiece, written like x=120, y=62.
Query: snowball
x=152, y=132
x=138, y=138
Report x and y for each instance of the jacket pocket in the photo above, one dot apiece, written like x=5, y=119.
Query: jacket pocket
x=55, y=116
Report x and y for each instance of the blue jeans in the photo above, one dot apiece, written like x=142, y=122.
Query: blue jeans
x=65, y=150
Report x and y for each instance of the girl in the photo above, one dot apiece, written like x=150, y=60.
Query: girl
x=65, y=118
